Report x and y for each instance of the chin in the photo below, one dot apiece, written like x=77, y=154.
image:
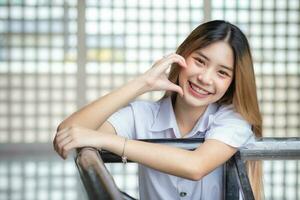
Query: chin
x=195, y=102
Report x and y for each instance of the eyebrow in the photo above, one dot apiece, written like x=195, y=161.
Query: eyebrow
x=206, y=58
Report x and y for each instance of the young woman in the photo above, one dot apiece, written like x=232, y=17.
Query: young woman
x=210, y=93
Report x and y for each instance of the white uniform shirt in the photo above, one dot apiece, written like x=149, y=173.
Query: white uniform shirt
x=151, y=120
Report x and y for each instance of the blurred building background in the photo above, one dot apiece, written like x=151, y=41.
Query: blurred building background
x=57, y=55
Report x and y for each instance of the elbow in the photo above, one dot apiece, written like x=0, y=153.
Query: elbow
x=195, y=173
x=194, y=168
x=196, y=177
x=65, y=124
x=62, y=126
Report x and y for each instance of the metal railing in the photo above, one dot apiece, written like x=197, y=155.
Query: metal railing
x=99, y=184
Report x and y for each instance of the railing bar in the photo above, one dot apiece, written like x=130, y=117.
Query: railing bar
x=264, y=149
x=242, y=178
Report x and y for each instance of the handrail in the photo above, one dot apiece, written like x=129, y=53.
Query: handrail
x=98, y=182
x=90, y=163
x=270, y=148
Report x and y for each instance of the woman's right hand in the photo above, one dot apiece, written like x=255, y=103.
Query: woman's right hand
x=157, y=77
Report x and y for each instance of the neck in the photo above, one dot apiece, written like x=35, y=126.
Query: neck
x=186, y=115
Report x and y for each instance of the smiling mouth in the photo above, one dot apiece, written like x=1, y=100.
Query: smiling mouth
x=198, y=89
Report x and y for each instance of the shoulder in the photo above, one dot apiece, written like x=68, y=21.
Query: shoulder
x=145, y=105
x=227, y=114
x=133, y=119
x=229, y=127
x=144, y=109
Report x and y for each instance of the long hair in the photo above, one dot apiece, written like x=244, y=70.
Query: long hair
x=241, y=92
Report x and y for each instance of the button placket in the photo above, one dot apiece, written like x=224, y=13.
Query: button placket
x=182, y=194
x=182, y=190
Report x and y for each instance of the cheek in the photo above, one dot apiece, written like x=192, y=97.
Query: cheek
x=190, y=70
x=223, y=85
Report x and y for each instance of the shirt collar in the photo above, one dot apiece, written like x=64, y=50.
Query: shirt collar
x=165, y=118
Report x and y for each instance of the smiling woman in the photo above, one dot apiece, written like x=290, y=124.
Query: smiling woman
x=221, y=45
x=210, y=93
x=206, y=78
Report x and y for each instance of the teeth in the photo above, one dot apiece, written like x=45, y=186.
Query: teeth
x=198, y=90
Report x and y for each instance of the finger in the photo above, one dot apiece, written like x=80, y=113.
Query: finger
x=168, y=55
x=183, y=62
x=176, y=88
x=182, y=59
x=178, y=58
x=170, y=60
x=62, y=131
x=54, y=142
x=179, y=91
x=62, y=136
x=67, y=148
x=63, y=143
x=160, y=61
x=59, y=138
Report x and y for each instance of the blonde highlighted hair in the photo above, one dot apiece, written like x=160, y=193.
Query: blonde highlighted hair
x=242, y=91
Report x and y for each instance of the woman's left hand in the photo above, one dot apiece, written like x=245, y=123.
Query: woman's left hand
x=75, y=137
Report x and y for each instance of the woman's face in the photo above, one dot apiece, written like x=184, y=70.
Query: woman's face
x=208, y=75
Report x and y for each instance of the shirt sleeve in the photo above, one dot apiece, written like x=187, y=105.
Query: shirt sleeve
x=230, y=128
x=123, y=121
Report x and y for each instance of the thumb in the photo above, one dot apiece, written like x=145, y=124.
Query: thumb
x=177, y=89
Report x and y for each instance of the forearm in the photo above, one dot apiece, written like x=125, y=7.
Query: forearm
x=171, y=160
x=96, y=113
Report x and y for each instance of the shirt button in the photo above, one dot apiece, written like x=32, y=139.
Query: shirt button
x=182, y=194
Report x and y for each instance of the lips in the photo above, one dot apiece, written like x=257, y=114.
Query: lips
x=199, y=89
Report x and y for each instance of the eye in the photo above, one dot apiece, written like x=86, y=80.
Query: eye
x=223, y=73
x=199, y=60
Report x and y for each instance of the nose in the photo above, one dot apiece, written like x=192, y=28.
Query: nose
x=205, y=76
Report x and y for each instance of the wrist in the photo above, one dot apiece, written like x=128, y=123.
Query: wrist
x=117, y=145
x=141, y=85
x=104, y=141
x=123, y=155
x=112, y=143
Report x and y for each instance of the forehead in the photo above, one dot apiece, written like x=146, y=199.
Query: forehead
x=220, y=53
